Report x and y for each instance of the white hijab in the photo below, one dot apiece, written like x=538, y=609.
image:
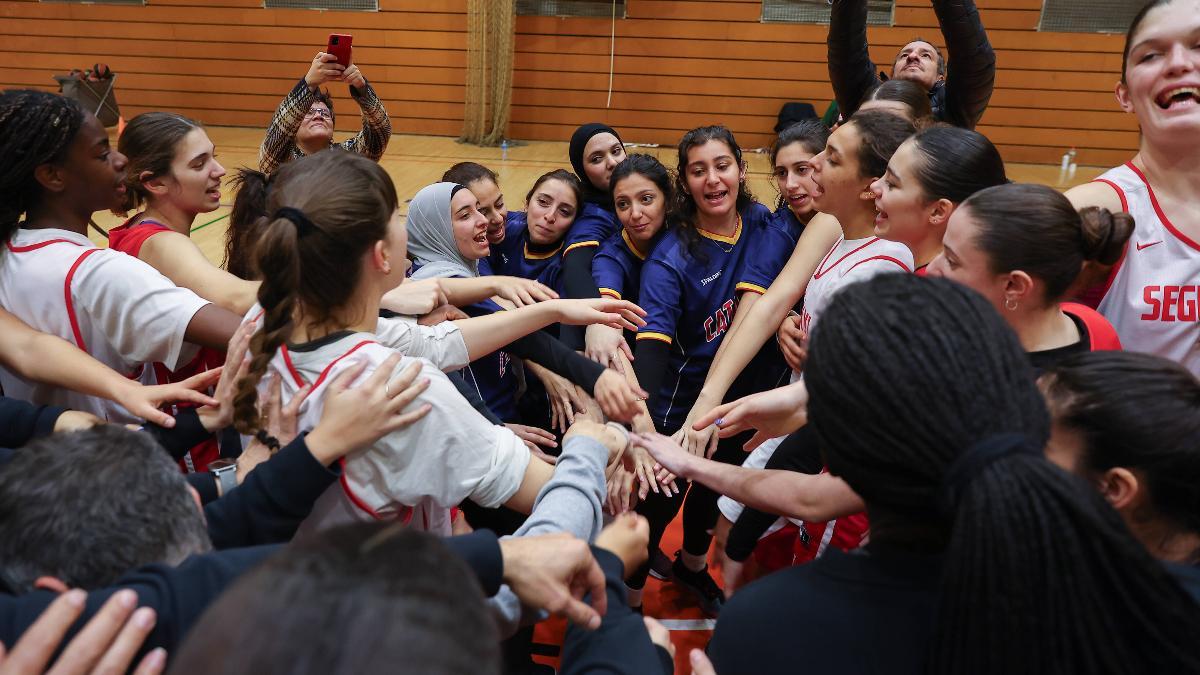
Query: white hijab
x=431, y=235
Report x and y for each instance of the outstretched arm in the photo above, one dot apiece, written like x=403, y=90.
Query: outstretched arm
x=181, y=260
x=851, y=71
x=817, y=498
x=970, y=62
x=46, y=358
x=765, y=314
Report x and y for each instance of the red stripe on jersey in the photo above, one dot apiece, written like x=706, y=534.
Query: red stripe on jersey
x=1102, y=337
x=71, y=302
x=822, y=272
x=40, y=244
x=1158, y=209
x=1120, y=192
x=880, y=257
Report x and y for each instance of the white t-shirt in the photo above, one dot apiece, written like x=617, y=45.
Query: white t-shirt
x=1153, y=296
x=118, y=309
x=415, y=474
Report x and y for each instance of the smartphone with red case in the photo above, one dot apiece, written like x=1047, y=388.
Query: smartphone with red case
x=340, y=46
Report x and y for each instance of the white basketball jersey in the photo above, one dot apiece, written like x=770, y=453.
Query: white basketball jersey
x=847, y=262
x=1153, y=296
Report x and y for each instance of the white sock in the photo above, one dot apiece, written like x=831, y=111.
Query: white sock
x=694, y=563
x=635, y=596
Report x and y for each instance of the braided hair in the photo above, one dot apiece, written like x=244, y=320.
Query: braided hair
x=36, y=128
x=310, y=271
x=1040, y=574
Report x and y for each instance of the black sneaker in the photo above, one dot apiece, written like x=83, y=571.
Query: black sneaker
x=660, y=565
x=701, y=584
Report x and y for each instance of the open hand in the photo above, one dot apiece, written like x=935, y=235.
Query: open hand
x=772, y=413
x=620, y=314
x=521, y=292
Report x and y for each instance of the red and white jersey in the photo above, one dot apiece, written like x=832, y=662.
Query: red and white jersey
x=1153, y=294
x=113, y=306
x=418, y=473
x=847, y=262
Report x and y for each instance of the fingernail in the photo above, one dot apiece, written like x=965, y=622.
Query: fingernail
x=156, y=658
x=76, y=597
x=594, y=622
x=143, y=618
x=694, y=656
x=720, y=421
x=126, y=598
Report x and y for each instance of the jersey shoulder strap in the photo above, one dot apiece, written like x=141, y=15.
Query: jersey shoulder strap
x=1101, y=334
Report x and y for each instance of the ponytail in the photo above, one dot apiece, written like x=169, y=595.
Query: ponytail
x=278, y=260
x=249, y=209
x=1035, y=229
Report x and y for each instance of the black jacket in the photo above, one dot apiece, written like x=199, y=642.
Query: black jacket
x=970, y=61
x=21, y=421
x=621, y=646
x=179, y=595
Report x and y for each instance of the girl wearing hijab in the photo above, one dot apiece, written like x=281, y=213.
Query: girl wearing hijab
x=447, y=239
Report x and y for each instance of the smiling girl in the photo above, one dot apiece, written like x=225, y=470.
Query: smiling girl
x=1152, y=294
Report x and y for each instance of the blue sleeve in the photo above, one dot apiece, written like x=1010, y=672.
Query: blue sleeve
x=593, y=226
x=766, y=255
x=609, y=274
x=661, y=295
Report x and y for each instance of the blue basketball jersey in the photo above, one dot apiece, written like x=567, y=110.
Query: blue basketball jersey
x=593, y=225
x=690, y=301
x=513, y=256
x=771, y=251
x=617, y=266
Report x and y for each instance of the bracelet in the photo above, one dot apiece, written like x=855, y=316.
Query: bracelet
x=268, y=440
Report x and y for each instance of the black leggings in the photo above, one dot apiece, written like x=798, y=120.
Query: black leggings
x=798, y=452
x=699, y=505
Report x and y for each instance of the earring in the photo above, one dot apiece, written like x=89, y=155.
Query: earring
x=1010, y=304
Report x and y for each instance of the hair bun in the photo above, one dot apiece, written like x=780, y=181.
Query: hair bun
x=1104, y=234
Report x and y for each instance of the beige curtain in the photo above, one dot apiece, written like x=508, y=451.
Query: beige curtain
x=491, y=25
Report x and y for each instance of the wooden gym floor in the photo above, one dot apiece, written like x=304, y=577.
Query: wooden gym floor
x=416, y=161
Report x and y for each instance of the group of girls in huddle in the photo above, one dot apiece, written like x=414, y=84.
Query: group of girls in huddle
x=651, y=295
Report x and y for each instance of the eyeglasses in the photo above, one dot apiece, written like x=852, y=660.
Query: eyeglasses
x=318, y=112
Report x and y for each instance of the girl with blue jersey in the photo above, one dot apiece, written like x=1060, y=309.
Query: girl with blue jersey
x=595, y=150
x=642, y=194
x=532, y=247
x=446, y=238
x=689, y=288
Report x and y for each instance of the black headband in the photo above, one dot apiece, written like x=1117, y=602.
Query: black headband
x=978, y=457
x=301, y=221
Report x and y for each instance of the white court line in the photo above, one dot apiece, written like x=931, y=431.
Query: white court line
x=688, y=624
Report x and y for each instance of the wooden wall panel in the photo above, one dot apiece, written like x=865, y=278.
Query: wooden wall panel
x=678, y=64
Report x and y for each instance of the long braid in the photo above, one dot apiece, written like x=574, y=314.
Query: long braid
x=279, y=260
x=36, y=128
x=1040, y=574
